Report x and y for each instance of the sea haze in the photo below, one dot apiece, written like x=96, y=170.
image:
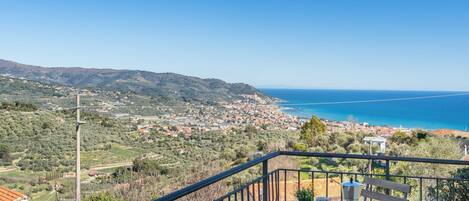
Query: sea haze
x=432, y=110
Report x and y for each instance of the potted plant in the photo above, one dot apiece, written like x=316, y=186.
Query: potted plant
x=304, y=195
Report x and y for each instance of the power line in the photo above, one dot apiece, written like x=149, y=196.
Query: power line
x=375, y=100
x=281, y=104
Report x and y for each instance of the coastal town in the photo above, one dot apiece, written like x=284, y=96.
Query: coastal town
x=251, y=110
x=263, y=113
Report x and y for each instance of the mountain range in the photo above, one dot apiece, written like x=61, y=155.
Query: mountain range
x=164, y=86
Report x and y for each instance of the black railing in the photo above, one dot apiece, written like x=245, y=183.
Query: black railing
x=278, y=180
x=269, y=188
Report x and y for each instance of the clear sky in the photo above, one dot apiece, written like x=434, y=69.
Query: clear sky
x=359, y=44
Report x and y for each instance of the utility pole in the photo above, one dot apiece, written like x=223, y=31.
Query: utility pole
x=77, y=176
x=371, y=161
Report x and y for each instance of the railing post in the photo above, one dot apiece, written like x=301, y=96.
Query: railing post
x=265, y=180
x=387, y=174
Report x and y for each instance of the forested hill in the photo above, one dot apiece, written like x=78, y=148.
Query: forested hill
x=166, y=86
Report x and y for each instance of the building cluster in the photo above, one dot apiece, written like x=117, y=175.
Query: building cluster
x=347, y=126
x=251, y=110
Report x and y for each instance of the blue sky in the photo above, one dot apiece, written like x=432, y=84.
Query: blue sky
x=296, y=44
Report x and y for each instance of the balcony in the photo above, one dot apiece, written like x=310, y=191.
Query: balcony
x=281, y=184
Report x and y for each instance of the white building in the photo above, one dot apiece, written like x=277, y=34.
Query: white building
x=380, y=141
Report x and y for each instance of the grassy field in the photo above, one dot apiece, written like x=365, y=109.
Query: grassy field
x=44, y=196
x=117, y=154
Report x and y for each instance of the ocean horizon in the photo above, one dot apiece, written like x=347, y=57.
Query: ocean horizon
x=409, y=109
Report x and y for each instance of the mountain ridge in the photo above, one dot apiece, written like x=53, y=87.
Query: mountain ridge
x=168, y=86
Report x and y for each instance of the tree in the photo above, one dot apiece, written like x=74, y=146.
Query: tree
x=454, y=189
x=420, y=134
x=5, y=156
x=438, y=148
x=18, y=106
x=251, y=129
x=311, y=130
x=262, y=145
x=148, y=166
x=300, y=147
x=242, y=152
x=229, y=154
x=401, y=137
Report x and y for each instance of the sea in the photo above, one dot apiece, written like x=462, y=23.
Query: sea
x=408, y=109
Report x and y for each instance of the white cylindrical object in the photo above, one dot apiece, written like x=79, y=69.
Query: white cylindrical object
x=351, y=191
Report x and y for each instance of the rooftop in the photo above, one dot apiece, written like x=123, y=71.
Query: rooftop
x=11, y=195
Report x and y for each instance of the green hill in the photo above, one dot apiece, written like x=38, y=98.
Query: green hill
x=163, y=86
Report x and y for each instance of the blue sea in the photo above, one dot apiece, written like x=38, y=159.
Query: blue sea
x=409, y=109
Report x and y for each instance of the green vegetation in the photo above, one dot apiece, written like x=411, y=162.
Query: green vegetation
x=37, y=138
x=110, y=154
x=304, y=195
x=25, y=88
x=44, y=140
x=102, y=197
x=163, y=87
x=453, y=190
x=313, y=132
x=149, y=167
x=18, y=106
x=126, y=157
x=313, y=137
x=5, y=155
x=40, y=144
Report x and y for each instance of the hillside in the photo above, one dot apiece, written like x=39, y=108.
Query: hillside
x=22, y=88
x=162, y=86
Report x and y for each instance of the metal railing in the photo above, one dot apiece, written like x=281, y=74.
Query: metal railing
x=269, y=188
x=278, y=182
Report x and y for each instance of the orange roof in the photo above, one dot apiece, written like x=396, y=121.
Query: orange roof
x=10, y=195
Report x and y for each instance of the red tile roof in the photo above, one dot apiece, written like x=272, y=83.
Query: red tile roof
x=10, y=195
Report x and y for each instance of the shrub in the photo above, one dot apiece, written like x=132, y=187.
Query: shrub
x=101, y=197
x=452, y=190
x=229, y=154
x=300, y=147
x=304, y=195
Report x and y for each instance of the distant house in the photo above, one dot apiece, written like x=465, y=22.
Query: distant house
x=380, y=141
x=11, y=195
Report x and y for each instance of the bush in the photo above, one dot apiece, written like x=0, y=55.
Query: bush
x=251, y=129
x=5, y=156
x=18, y=106
x=242, y=152
x=229, y=154
x=101, y=197
x=300, y=147
x=304, y=195
x=452, y=190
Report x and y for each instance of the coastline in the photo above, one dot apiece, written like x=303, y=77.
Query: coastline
x=381, y=130
x=425, y=110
